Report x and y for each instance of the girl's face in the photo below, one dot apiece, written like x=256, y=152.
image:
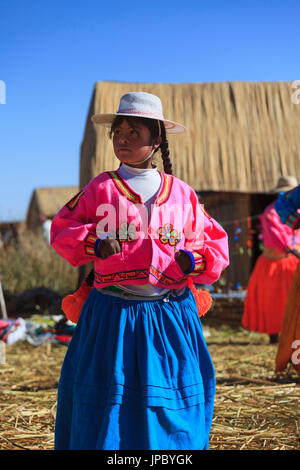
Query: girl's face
x=133, y=143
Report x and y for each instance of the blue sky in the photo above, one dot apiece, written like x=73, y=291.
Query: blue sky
x=53, y=52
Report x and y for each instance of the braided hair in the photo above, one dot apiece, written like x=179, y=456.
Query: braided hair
x=156, y=128
x=165, y=152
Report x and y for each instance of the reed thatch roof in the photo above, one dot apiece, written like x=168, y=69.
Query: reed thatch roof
x=48, y=201
x=242, y=136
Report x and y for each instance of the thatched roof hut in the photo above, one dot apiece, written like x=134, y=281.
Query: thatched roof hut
x=10, y=231
x=241, y=137
x=47, y=202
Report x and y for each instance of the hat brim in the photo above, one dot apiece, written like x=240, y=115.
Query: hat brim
x=107, y=120
x=283, y=189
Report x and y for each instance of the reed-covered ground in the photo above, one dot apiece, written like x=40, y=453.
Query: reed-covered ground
x=255, y=408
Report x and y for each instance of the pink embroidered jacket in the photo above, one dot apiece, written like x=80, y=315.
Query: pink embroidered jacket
x=108, y=205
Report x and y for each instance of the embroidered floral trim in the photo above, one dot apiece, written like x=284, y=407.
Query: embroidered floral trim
x=205, y=212
x=89, y=250
x=89, y=243
x=135, y=274
x=292, y=219
x=169, y=235
x=121, y=276
x=124, y=188
x=74, y=201
x=162, y=278
x=165, y=189
x=126, y=232
x=200, y=264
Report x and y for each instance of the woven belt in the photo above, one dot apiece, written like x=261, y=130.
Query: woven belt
x=116, y=292
x=274, y=253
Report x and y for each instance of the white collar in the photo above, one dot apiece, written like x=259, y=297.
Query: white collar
x=137, y=171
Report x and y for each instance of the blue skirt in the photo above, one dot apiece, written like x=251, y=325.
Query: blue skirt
x=137, y=375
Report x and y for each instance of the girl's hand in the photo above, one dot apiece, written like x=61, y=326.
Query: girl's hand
x=108, y=247
x=183, y=260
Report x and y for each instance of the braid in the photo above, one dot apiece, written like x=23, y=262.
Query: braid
x=165, y=153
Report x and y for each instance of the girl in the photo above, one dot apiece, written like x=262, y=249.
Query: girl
x=273, y=273
x=137, y=373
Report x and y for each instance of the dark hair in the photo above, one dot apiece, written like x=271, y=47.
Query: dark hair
x=152, y=125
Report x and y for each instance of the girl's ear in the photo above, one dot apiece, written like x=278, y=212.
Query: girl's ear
x=157, y=142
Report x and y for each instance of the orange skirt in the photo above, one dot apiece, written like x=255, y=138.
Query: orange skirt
x=267, y=293
x=288, y=351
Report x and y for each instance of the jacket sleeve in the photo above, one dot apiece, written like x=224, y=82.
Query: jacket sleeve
x=275, y=233
x=208, y=245
x=73, y=229
x=286, y=207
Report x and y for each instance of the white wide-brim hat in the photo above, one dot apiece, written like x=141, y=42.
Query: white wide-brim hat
x=284, y=183
x=139, y=104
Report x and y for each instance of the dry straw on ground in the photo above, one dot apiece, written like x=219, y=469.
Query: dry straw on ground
x=255, y=408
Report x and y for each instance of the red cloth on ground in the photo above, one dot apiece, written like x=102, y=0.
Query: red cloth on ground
x=267, y=294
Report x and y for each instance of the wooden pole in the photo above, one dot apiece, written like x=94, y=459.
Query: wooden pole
x=2, y=302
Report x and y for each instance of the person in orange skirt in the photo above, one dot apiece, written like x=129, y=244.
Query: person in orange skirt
x=287, y=207
x=272, y=276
